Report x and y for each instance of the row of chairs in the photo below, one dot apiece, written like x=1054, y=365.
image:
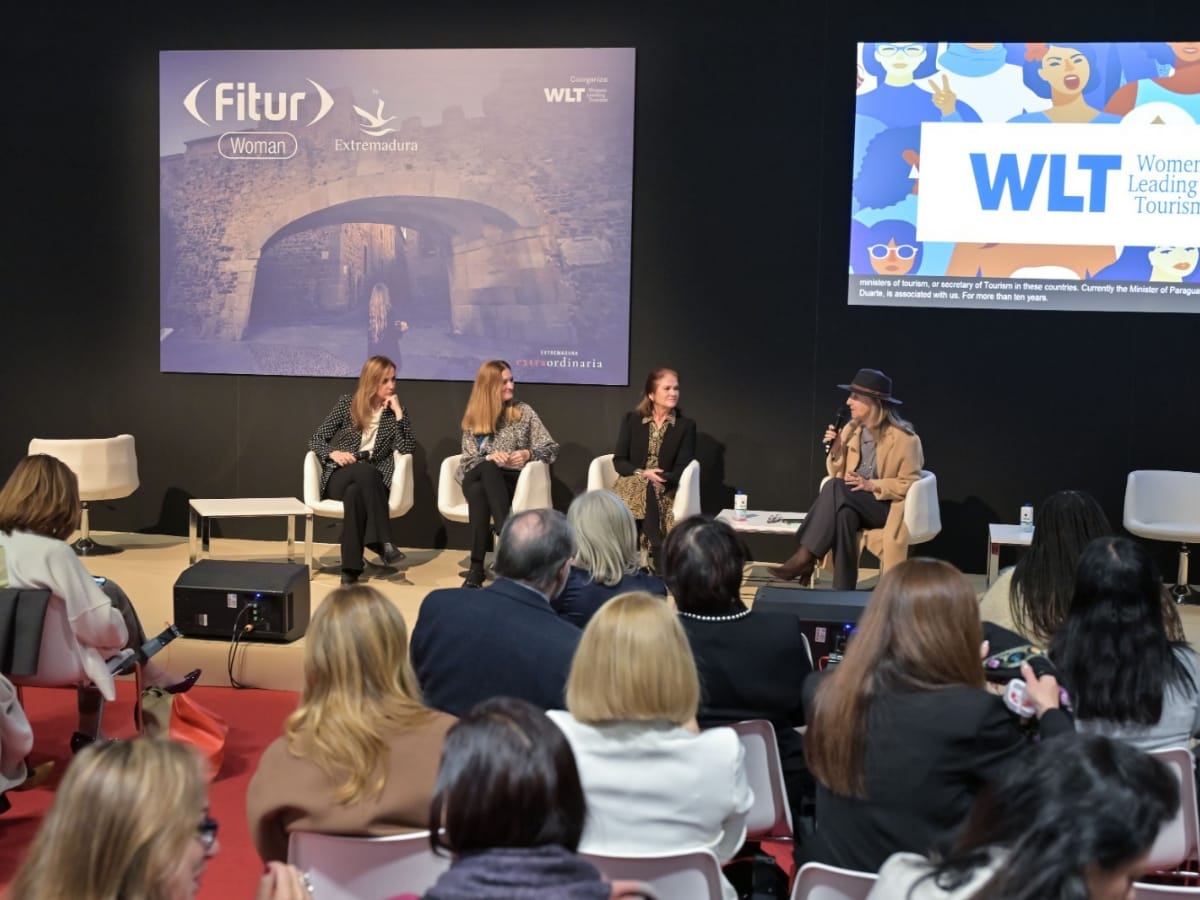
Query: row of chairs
x=532, y=492
x=355, y=868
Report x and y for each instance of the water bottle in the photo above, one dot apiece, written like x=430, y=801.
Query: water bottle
x=1027, y=517
x=739, y=506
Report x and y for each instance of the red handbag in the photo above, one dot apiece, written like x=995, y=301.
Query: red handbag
x=180, y=718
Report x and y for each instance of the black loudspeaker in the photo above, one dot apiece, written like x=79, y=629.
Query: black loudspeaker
x=214, y=598
x=828, y=618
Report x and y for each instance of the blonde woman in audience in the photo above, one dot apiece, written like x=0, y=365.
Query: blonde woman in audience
x=130, y=819
x=360, y=753
x=606, y=558
x=902, y=734
x=653, y=781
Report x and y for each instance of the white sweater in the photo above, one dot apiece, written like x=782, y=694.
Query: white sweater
x=38, y=562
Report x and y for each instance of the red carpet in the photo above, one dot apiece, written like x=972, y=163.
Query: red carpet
x=255, y=718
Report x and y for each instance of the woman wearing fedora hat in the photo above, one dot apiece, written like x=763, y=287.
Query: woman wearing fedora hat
x=872, y=462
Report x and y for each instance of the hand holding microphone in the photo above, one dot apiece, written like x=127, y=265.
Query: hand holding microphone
x=832, y=432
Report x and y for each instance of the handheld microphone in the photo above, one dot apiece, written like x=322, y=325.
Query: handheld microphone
x=838, y=421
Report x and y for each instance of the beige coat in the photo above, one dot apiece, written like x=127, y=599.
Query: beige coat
x=289, y=794
x=898, y=463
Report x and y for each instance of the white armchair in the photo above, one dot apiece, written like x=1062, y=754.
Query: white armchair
x=602, y=476
x=106, y=469
x=1165, y=506
x=400, y=497
x=533, y=489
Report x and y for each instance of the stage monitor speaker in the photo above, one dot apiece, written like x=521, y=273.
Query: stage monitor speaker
x=828, y=618
x=218, y=598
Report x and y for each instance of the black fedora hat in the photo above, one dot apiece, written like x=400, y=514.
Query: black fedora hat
x=873, y=383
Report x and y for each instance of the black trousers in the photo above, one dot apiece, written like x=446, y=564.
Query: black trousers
x=489, y=490
x=834, y=521
x=651, y=526
x=364, y=496
x=89, y=699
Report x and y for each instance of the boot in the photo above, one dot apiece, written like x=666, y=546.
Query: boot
x=800, y=566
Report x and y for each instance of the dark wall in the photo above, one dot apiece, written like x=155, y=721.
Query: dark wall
x=744, y=114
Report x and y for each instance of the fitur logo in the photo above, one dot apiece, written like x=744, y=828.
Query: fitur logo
x=242, y=101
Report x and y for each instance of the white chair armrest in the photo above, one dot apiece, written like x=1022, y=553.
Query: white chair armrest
x=533, y=488
x=687, y=493
x=312, y=479
x=451, y=502
x=601, y=473
x=400, y=499
x=921, y=513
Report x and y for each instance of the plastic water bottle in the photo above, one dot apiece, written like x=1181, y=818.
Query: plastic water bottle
x=739, y=506
x=1027, y=517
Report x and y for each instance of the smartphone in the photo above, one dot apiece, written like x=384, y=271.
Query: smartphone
x=122, y=663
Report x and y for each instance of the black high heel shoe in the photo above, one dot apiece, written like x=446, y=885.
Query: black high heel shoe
x=390, y=553
x=185, y=684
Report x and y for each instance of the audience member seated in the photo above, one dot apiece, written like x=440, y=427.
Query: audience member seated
x=902, y=734
x=504, y=640
x=654, y=445
x=360, y=753
x=606, y=560
x=1032, y=597
x=752, y=664
x=1127, y=678
x=653, y=781
x=509, y=798
x=1075, y=818
x=39, y=510
x=500, y=437
x=356, y=444
x=130, y=819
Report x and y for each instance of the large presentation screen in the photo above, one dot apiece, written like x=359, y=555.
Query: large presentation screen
x=438, y=207
x=1027, y=176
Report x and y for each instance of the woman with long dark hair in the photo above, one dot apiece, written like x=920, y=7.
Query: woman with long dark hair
x=1073, y=820
x=902, y=734
x=509, y=800
x=1032, y=598
x=500, y=436
x=355, y=445
x=1127, y=677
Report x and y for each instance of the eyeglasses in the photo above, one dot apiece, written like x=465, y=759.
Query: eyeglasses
x=207, y=831
x=902, y=251
x=912, y=51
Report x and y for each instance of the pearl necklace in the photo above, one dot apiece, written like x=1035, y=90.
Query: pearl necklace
x=728, y=618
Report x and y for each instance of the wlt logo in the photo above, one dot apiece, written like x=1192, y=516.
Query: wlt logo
x=564, y=95
x=1021, y=186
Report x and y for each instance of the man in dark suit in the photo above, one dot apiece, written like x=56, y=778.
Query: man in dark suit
x=503, y=640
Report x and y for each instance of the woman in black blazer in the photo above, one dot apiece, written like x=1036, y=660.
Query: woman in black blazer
x=355, y=445
x=654, y=446
x=902, y=736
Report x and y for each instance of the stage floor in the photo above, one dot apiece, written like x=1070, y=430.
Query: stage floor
x=150, y=565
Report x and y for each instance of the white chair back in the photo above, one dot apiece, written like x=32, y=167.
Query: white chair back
x=60, y=660
x=770, y=817
x=686, y=875
x=602, y=476
x=106, y=467
x=1143, y=891
x=816, y=881
x=1179, y=840
x=342, y=867
x=532, y=491
x=1163, y=505
x=400, y=497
